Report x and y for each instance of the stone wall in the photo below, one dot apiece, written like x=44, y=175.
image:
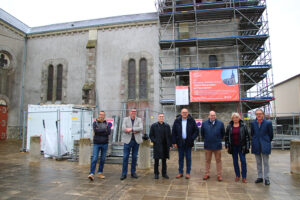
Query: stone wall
x=12, y=44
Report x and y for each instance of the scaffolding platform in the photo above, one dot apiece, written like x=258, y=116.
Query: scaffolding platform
x=249, y=41
x=250, y=12
x=180, y=5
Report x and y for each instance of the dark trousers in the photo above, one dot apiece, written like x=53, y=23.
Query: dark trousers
x=164, y=166
x=237, y=152
x=134, y=147
x=185, y=151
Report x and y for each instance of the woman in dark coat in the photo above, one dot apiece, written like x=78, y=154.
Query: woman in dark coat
x=160, y=135
x=237, y=141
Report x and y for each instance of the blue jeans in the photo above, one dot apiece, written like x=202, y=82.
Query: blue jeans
x=237, y=151
x=134, y=147
x=96, y=149
x=187, y=152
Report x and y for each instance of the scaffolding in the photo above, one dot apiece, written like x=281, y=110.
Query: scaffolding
x=210, y=34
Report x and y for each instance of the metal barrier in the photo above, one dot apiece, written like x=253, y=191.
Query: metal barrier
x=59, y=126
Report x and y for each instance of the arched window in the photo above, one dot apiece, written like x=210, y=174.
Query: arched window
x=50, y=83
x=213, y=61
x=59, y=76
x=143, y=79
x=131, y=79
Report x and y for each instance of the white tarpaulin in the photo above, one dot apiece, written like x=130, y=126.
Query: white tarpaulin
x=58, y=124
x=51, y=144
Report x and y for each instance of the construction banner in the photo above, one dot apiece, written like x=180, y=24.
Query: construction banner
x=214, y=85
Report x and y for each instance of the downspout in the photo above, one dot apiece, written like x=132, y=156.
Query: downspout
x=22, y=89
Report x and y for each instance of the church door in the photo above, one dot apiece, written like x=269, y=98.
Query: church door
x=3, y=122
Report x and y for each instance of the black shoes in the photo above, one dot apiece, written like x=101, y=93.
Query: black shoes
x=156, y=176
x=134, y=175
x=165, y=176
x=267, y=182
x=259, y=180
x=123, y=177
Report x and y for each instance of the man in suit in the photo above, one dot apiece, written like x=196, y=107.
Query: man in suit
x=184, y=132
x=160, y=135
x=132, y=136
x=262, y=135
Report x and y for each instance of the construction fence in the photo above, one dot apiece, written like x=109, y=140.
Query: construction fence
x=61, y=127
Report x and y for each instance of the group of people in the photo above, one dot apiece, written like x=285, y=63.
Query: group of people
x=184, y=132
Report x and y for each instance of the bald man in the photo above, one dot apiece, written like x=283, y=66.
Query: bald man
x=184, y=132
x=213, y=131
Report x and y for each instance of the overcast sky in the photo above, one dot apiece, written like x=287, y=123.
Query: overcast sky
x=284, y=22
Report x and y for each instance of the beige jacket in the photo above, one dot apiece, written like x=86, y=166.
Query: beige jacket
x=137, y=126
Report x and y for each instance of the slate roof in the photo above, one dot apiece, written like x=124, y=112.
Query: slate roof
x=6, y=17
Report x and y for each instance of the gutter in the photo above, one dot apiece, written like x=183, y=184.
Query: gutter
x=22, y=90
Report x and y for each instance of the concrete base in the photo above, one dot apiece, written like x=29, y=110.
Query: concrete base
x=35, y=149
x=144, y=155
x=85, y=151
x=295, y=156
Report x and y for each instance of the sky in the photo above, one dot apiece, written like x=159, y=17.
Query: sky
x=283, y=15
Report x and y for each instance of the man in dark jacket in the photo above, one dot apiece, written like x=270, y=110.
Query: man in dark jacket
x=160, y=135
x=212, y=131
x=184, y=132
x=101, y=133
x=262, y=136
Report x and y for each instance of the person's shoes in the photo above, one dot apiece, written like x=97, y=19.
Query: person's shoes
x=179, y=176
x=237, y=179
x=91, y=177
x=156, y=176
x=134, y=175
x=123, y=177
x=187, y=176
x=220, y=178
x=259, y=180
x=244, y=180
x=165, y=176
x=206, y=177
x=267, y=182
x=100, y=175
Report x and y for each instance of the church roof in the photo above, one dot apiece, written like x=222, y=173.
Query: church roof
x=95, y=22
x=11, y=20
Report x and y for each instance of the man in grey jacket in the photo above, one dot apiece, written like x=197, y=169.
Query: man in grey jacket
x=132, y=136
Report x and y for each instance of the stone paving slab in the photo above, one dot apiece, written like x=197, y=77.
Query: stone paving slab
x=63, y=180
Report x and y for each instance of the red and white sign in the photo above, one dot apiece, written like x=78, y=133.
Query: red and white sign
x=198, y=122
x=214, y=85
x=110, y=122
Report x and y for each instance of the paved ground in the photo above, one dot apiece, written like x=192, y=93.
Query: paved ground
x=62, y=180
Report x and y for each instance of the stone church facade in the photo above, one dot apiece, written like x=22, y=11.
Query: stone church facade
x=121, y=62
x=103, y=62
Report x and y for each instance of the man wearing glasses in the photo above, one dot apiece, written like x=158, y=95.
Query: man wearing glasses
x=132, y=136
x=262, y=135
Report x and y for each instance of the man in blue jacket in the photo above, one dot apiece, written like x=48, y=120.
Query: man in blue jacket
x=262, y=136
x=213, y=131
x=184, y=132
